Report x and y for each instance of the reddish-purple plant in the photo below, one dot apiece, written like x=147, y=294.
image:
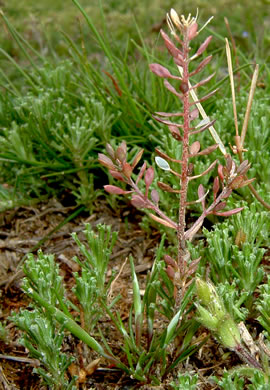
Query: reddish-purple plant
x=229, y=176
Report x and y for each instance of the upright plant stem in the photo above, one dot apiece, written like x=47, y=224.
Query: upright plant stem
x=184, y=172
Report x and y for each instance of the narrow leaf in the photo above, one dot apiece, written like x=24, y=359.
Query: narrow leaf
x=137, y=302
x=170, y=335
x=201, y=191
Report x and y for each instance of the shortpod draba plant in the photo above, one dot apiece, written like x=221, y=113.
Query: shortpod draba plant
x=160, y=330
x=229, y=176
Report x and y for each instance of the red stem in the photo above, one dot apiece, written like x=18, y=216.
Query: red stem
x=184, y=171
